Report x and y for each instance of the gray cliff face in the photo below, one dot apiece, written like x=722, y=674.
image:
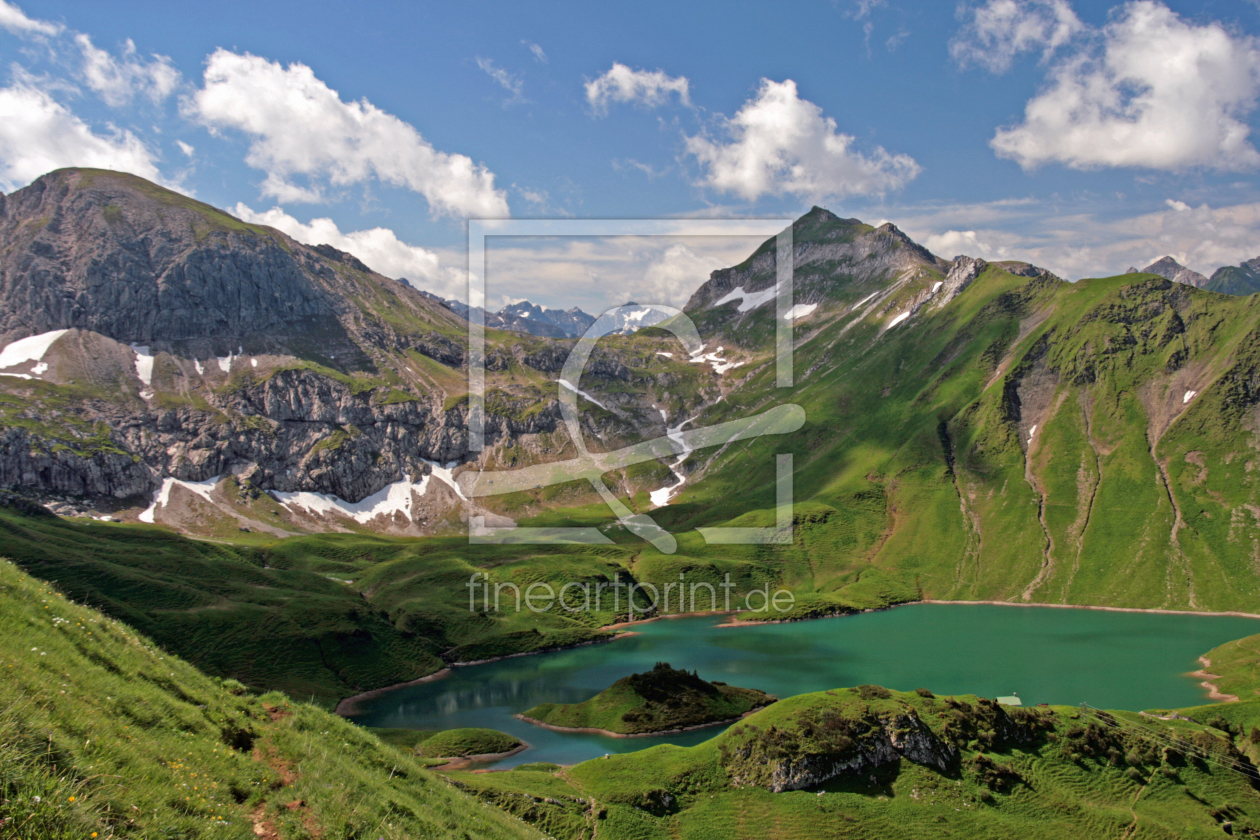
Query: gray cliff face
x=26, y=462
x=114, y=254
x=92, y=253
x=963, y=271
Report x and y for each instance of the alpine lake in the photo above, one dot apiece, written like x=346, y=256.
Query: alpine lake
x=1110, y=660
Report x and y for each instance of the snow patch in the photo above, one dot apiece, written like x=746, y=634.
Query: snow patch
x=1188, y=396
x=895, y=321
x=40, y=368
x=720, y=365
x=197, y=365
x=163, y=495
x=225, y=362
x=19, y=375
x=254, y=362
x=567, y=384
x=800, y=310
x=666, y=355
x=863, y=300
x=1032, y=432
x=144, y=363
x=749, y=300
x=29, y=349
x=665, y=495
x=936, y=287
x=443, y=474
x=391, y=499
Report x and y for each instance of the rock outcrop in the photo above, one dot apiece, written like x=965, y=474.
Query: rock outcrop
x=1170, y=269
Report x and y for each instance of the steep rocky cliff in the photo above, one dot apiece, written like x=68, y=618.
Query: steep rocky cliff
x=152, y=337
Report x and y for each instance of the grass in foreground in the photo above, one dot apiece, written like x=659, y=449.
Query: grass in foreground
x=102, y=734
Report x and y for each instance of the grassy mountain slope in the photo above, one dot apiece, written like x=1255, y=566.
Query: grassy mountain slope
x=287, y=616
x=103, y=734
x=655, y=701
x=969, y=769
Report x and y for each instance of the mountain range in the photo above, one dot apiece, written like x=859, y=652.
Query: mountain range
x=973, y=430
x=531, y=318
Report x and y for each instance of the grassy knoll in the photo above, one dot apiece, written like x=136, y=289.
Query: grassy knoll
x=868, y=762
x=461, y=743
x=654, y=701
x=104, y=734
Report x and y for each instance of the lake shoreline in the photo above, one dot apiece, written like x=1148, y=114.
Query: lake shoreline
x=349, y=705
x=463, y=762
x=847, y=613
x=1214, y=693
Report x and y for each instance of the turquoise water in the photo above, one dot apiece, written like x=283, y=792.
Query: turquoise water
x=1107, y=659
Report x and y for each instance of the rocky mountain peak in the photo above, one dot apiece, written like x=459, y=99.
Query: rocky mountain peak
x=118, y=255
x=1170, y=269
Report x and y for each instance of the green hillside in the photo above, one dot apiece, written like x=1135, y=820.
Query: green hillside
x=659, y=700
x=103, y=734
x=868, y=762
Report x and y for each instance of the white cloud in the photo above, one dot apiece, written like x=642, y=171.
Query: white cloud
x=648, y=88
x=599, y=272
x=119, y=80
x=188, y=150
x=38, y=135
x=781, y=144
x=300, y=126
x=952, y=243
x=1160, y=93
x=379, y=248
x=536, y=197
x=995, y=33
x=506, y=80
x=673, y=276
x=13, y=19
x=1088, y=241
x=539, y=55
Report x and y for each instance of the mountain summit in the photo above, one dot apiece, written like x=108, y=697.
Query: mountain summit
x=1170, y=269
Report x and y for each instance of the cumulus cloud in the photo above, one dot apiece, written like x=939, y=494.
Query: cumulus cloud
x=995, y=33
x=506, y=80
x=673, y=276
x=1158, y=93
x=648, y=88
x=300, y=126
x=119, y=80
x=38, y=135
x=781, y=144
x=15, y=20
x=951, y=243
x=379, y=248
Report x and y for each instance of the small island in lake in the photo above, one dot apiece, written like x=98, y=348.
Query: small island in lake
x=656, y=701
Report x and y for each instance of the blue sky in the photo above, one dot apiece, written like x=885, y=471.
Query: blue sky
x=1085, y=137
